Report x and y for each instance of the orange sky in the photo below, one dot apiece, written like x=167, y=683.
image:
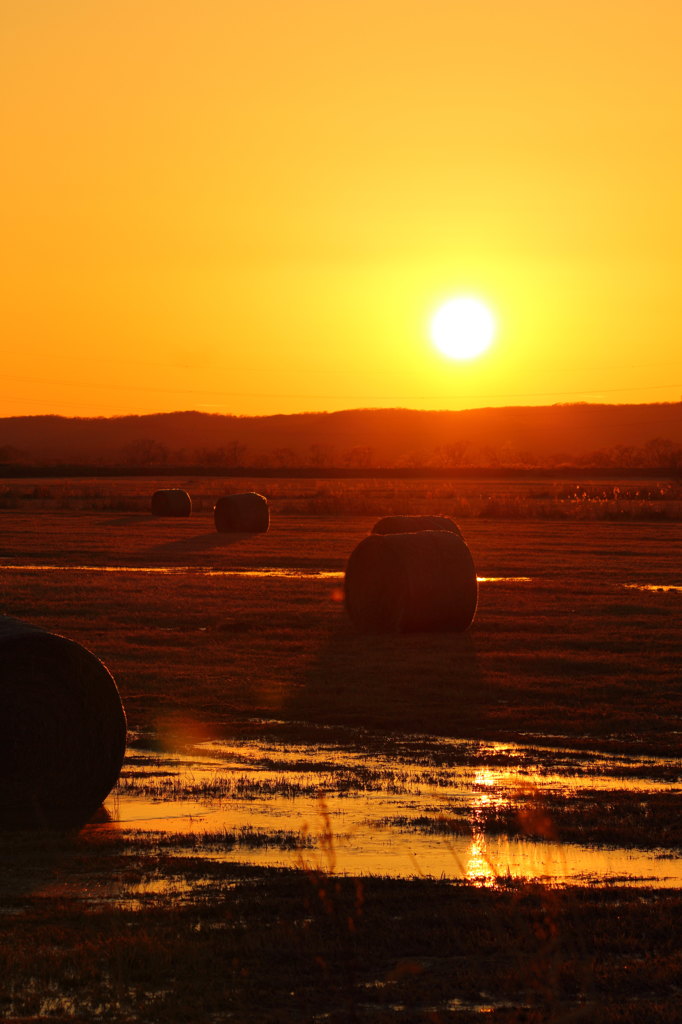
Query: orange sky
x=255, y=207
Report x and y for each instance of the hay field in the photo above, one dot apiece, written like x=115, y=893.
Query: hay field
x=571, y=498
x=574, y=652
x=211, y=634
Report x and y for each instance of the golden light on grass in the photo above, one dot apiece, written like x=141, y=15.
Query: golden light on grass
x=463, y=327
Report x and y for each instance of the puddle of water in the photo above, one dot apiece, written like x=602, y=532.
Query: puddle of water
x=347, y=811
x=504, y=579
x=179, y=570
x=665, y=587
x=133, y=896
x=278, y=573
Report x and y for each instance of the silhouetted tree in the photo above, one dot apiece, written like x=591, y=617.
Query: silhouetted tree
x=359, y=457
x=414, y=459
x=625, y=456
x=226, y=456
x=145, y=452
x=320, y=455
x=455, y=452
x=14, y=456
x=660, y=453
x=490, y=456
x=284, y=457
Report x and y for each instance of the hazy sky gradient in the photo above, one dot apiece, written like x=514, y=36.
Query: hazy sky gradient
x=255, y=207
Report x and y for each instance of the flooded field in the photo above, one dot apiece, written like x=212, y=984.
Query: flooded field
x=314, y=824
x=429, y=807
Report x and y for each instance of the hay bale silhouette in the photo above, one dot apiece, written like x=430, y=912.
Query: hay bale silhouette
x=171, y=501
x=242, y=513
x=62, y=729
x=403, y=582
x=414, y=524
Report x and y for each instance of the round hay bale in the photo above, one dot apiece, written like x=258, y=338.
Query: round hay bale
x=403, y=582
x=414, y=524
x=62, y=729
x=171, y=501
x=242, y=513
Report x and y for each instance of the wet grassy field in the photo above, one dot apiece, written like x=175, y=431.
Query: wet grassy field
x=216, y=628
x=217, y=637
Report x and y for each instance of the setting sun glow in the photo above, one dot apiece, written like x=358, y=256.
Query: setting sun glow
x=256, y=208
x=463, y=328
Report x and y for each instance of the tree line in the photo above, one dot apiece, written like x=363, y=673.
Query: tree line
x=147, y=453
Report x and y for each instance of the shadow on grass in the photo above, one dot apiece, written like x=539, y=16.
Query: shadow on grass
x=416, y=682
x=46, y=862
x=127, y=520
x=200, y=542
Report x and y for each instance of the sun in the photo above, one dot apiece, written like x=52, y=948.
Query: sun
x=463, y=327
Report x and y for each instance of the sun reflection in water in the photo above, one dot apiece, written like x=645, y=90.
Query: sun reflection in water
x=479, y=867
x=337, y=809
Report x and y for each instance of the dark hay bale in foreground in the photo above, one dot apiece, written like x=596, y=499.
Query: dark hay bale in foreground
x=242, y=513
x=414, y=524
x=62, y=729
x=404, y=582
x=171, y=501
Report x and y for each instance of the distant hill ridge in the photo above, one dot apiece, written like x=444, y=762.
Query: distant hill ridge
x=355, y=437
